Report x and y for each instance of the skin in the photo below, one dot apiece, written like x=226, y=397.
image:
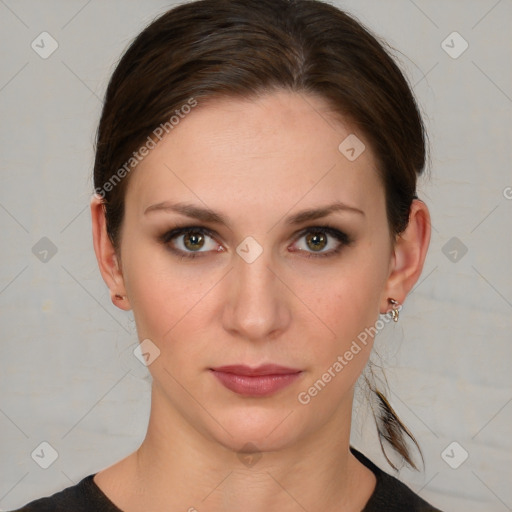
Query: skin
x=257, y=162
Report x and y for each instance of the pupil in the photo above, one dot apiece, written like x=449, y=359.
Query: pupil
x=195, y=240
x=315, y=238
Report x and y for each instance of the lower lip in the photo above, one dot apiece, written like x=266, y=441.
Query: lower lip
x=260, y=385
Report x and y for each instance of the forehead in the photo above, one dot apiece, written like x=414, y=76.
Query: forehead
x=277, y=149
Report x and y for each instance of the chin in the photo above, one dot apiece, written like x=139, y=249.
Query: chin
x=265, y=428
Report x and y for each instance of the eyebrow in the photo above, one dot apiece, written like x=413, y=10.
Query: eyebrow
x=207, y=215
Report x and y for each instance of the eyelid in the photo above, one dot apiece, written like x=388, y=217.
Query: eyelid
x=326, y=228
x=178, y=231
x=342, y=238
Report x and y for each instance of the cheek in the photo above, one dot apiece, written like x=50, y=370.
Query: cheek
x=154, y=288
x=166, y=296
x=349, y=305
x=353, y=295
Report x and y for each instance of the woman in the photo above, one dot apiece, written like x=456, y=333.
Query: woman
x=255, y=206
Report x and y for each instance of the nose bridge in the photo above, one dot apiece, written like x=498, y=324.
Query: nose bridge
x=256, y=306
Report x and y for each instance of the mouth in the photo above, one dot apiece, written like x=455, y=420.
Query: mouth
x=262, y=381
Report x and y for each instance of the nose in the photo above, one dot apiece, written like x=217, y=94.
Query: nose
x=257, y=304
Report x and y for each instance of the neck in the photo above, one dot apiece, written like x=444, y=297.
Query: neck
x=178, y=468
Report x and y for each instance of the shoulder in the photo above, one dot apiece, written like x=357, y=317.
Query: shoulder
x=390, y=494
x=85, y=496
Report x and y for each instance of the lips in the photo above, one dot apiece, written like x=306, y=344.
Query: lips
x=266, y=369
x=262, y=381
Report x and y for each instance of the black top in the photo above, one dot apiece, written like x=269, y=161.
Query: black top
x=390, y=495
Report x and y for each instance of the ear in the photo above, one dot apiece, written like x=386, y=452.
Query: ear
x=108, y=261
x=408, y=255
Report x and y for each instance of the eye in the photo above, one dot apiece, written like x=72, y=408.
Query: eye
x=317, y=238
x=189, y=241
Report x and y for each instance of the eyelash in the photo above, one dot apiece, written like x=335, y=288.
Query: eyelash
x=342, y=237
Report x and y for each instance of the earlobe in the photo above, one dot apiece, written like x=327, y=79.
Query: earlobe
x=106, y=256
x=408, y=255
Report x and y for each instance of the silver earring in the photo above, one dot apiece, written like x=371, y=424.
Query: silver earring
x=395, y=311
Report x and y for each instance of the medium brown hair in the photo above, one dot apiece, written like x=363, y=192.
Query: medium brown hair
x=208, y=49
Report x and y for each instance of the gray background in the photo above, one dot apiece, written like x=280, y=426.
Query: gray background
x=68, y=376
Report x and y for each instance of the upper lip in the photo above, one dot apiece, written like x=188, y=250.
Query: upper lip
x=265, y=369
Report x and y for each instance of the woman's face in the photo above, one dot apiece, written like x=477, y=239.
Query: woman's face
x=259, y=289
